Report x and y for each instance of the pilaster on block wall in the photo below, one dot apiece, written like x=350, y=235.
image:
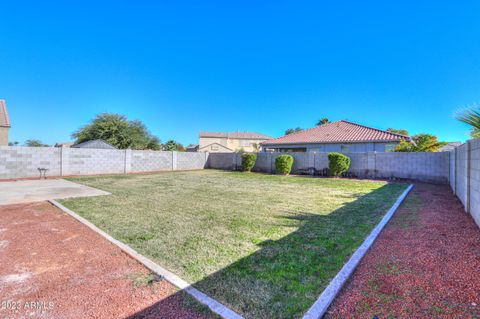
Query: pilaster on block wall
x=128, y=161
x=174, y=161
x=371, y=165
x=64, y=161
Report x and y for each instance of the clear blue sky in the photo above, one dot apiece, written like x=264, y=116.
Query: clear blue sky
x=186, y=66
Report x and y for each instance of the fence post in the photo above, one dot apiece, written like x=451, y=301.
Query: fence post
x=174, y=161
x=455, y=171
x=128, y=161
x=206, y=160
x=64, y=167
x=271, y=163
x=371, y=164
x=469, y=166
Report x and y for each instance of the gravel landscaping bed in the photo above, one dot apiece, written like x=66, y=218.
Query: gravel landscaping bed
x=425, y=264
x=52, y=266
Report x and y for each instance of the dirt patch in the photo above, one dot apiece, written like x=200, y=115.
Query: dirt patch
x=425, y=264
x=52, y=266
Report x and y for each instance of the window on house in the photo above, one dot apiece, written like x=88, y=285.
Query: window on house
x=345, y=148
x=390, y=147
x=244, y=143
x=214, y=148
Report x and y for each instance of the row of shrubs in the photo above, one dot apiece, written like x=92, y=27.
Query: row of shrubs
x=338, y=163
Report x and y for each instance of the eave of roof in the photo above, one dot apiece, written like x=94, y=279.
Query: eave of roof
x=235, y=135
x=331, y=133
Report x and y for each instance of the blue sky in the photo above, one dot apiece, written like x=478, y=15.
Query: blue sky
x=186, y=66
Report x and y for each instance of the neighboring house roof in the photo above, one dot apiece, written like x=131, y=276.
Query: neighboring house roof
x=95, y=144
x=237, y=135
x=4, y=119
x=191, y=148
x=222, y=146
x=64, y=144
x=450, y=146
x=338, y=132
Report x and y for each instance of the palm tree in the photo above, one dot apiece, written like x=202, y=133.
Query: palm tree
x=471, y=116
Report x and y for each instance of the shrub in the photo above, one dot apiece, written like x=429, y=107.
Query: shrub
x=283, y=164
x=338, y=164
x=248, y=161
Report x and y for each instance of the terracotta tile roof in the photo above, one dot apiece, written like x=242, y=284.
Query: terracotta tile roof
x=239, y=135
x=4, y=120
x=337, y=132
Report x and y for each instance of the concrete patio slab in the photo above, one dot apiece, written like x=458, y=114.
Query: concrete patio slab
x=40, y=190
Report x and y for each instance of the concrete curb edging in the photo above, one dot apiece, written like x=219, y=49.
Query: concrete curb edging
x=213, y=304
x=320, y=307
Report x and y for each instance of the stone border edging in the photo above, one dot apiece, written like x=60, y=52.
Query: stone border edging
x=320, y=307
x=213, y=304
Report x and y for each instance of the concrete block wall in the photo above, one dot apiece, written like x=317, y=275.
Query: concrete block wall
x=461, y=178
x=452, y=158
x=191, y=160
x=151, y=161
x=419, y=166
x=224, y=161
x=23, y=162
x=473, y=187
x=93, y=161
x=465, y=176
x=429, y=167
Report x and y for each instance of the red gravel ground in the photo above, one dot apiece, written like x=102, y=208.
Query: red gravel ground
x=51, y=266
x=425, y=264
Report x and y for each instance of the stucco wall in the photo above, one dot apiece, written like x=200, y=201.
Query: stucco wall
x=4, y=136
x=352, y=147
x=20, y=162
x=233, y=144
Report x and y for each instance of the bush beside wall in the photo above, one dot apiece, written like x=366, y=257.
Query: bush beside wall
x=248, y=161
x=338, y=164
x=283, y=164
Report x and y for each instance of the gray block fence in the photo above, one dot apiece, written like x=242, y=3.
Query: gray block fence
x=23, y=162
x=429, y=167
x=464, y=176
x=459, y=167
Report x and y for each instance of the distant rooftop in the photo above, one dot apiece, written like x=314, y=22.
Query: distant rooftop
x=64, y=144
x=450, y=146
x=238, y=135
x=338, y=132
x=4, y=120
x=101, y=144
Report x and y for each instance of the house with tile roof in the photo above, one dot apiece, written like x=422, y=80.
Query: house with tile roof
x=222, y=142
x=341, y=136
x=4, y=123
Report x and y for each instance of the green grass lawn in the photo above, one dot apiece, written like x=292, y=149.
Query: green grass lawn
x=264, y=245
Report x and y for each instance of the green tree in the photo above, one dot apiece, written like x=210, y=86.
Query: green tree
x=398, y=131
x=34, y=143
x=118, y=131
x=171, y=145
x=293, y=130
x=323, y=121
x=13, y=143
x=420, y=143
